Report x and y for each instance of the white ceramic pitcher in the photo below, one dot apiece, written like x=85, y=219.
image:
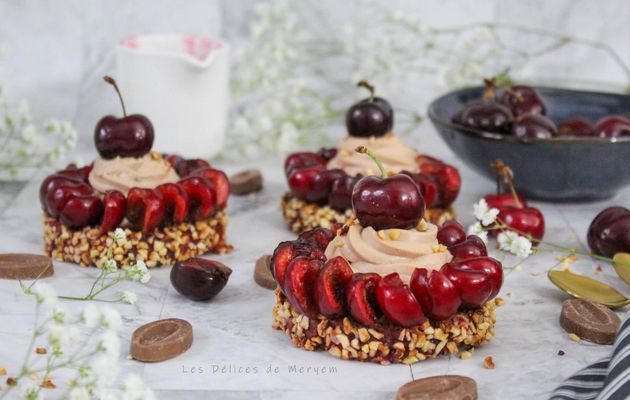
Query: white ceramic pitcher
x=181, y=83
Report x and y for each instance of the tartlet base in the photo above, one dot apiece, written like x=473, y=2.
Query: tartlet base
x=163, y=246
x=349, y=340
x=302, y=216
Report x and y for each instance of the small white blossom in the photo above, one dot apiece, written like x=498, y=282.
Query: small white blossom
x=119, y=235
x=91, y=316
x=32, y=392
x=105, y=369
x=128, y=297
x=45, y=294
x=59, y=316
x=515, y=244
x=139, y=272
x=62, y=337
x=484, y=213
x=110, y=319
x=478, y=230
x=134, y=389
x=109, y=343
x=79, y=393
x=110, y=265
x=505, y=240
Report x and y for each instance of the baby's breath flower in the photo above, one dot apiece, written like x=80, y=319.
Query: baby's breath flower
x=505, y=240
x=79, y=393
x=134, y=389
x=514, y=243
x=478, y=230
x=110, y=319
x=128, y=297
x=119, y=235
x=59, y=316
x=91, y=316
x=62, y=337
x=110, y=265
x=45, y=294
x=139, y=272
x=484, y=213
x=105, y=369
x=109, y=343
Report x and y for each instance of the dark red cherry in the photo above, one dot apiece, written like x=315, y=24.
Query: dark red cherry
x=534, y=126
x=473, y=246
x=114, y=210
x=372, y=116
x=301, y=179
x=486, y=115
x=56, y=199
x=451, y=233
x=525, y=220
x=500, y=201
x=609, y=233
x=437, y=295
x=199, y=279
x=300, y=160
x=576, y=126
x=322, y=184
x=81, y=211
x=129, y=136
x=327, y=153
x=340, y=197
x=613, y=126
x=429, y=186
x=523, y=99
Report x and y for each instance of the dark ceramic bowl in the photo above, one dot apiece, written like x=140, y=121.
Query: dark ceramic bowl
x=557, y=169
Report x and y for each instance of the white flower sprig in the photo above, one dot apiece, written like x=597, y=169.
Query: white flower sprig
x=109, y=276
x=87, y=345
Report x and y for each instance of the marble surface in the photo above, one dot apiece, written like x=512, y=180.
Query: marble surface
x=236, y=354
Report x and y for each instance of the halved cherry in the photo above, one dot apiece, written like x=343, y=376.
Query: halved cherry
x=63, y=191
x=201, y=196
x=437, y=295
x=220, y=182
x=51, y=183
x=321, y=236
x=176, y=201
x=81, y=211
x=428, y=186
x=447, y=175
x=303, y=159
x=280, y=260
x=185, y=167
x=299, y=281
x=309, y=248
x=145, y=209
x=301, y=178
x=397, y=302
x=330, y=289
x=473, y=246
x=451, y=233
x=114, y=210
x=361, y=298
x=477, y=279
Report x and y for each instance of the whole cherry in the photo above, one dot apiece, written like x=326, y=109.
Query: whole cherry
x=387, y=202
x=522, y=99
x=340, y=196
x=612, y=126
x=199, y=279
x=534, y=126
x=81, y=211
x=451, y=233
x=609, y=232
x=372, y=116
x=436, y=294
x=486, y=114
x=576, y=126
x=129, y=136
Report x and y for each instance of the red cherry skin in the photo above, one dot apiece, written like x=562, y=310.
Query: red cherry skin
x=300, y=160
x=473, y=287
x=437, y=295
x=173, y=159
x=612, y=126
x=451, y=233
x=57, y=198
x=322, y=184
x=199, y=279
x=576, y=126
x=114, y=210
x=185, y=167
x=528, y=220
x=301, y=179
x=81, y=211
x=500, y=201
x=130, y=136
x=530, y=126
x=320, y=236
x=397, y=302
x=330, y=288
x=361, y=298
x=523, y=99
x=176, y=202
x=609, y=232
x=145, y=209
x=201, y=197
x=299, y=283
x=429, y=187
x=219, y=181
x=280, y=260
x=327, y=153
x=485, y=115
x=394, y=202
x=340, y=197
x=79, y=174
x=473, y=246
x=446, y=175
x=52, y=182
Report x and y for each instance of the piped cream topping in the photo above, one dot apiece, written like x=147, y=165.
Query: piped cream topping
x=124, y=173
x=390, y=250
x=395, y=155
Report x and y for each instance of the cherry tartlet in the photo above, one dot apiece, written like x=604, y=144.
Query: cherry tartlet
x=386, y=288
x=169, y=208
x=321, y=183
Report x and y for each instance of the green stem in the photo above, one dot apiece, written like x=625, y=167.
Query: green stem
x=365, y=150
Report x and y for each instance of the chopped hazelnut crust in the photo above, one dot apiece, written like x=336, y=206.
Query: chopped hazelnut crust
x=349, y=340
x=303, y=216
x=163, y=246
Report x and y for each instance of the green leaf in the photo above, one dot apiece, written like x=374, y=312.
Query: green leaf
x=621, y=262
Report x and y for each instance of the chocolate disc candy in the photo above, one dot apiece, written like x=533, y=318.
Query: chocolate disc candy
x=443, y=387
x=25, y=266
x=589, y=320
x=262, y=273
x=161, y=340
x=246, y=182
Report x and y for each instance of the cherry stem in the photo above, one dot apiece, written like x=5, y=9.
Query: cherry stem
x=112, y=82
x=365, y=150
x=366, y=84
x=507, y=174
x=489, y=92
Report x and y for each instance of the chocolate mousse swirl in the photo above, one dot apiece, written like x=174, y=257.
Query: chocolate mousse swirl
x=123, y=173
x=393, y=153
x=390, y=250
